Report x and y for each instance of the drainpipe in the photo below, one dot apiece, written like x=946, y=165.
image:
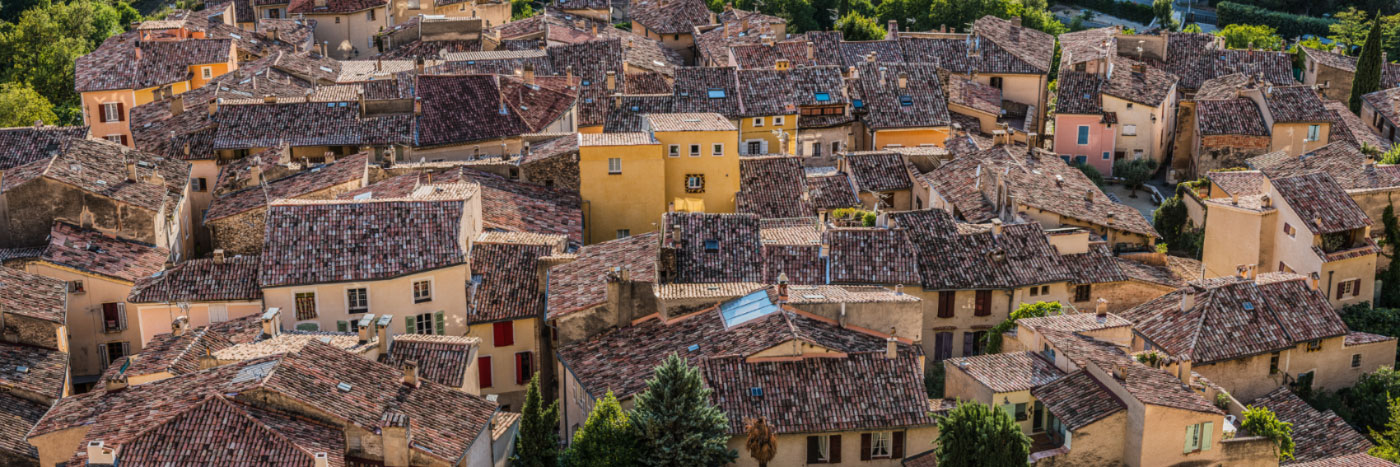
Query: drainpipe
x=1328, y=293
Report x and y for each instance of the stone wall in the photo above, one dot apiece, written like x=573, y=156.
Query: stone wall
x=30, y=331
x=32, y=208
x=1227, y=151
x=559, y=171
x=240, y=234
x=1122, y=295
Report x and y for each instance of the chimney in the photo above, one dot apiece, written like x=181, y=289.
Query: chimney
x=1235, y=199
x=272, y=322
x=320, y=3
x=529, y=74
x=131, y=171
x=365, y=328
x=179, y=326
x=996, y=227
x=1089, y=195
x=115, y=383
x=323, y=460
x=1108, y=219
x=569, y=73
x=617, y=101
x=811, y=51
x=1101, y=310
x=1241, y=270
x=1266, y=201
x=1139, y=68
x=892, y=31
x=870, y=57
x=381, y=328
x=782, y=287
x=219, y=256
x=99, y=453
x=213, y=107
x=903, y=80
x=418, y=64
x=1315, y=279
x=891, y=346
x=269, y=99
x=417, y=105
x=611, y=80
x=781, y=64
x=1016, y=21
x=1188, y=300
x=899, y=289
x=177, y=105
x=410, y=373
x=155, y=178
x=138, y=51
x=1252, y=267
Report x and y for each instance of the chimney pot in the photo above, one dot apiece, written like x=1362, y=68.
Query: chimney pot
x=99, y=453
x=323, y=460
x=996, y=227
x=410, y=373
x=177, y=105
x=892, y=30
x=1101, y=309
x=219, y=256
x=891, y=348
x=179, y=326
x=272, y=322
x=131, y=171
x=115, y=383
x=611, y=80
x=1188, y=300
x=782, y=287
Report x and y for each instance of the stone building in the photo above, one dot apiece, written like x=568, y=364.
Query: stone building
x=237, y=217
x=34, y=344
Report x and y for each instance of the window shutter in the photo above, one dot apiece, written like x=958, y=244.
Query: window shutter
x=1190, y=437
x=969, y=340
x=519, y=368
x=813, y=450
x=834, y=456
x=865, y=446
x=121, y=316
x=101, y=113
x=763, y=147
x=897, y=443
x=124, y=143
x=945, y=304
x=102, y=352
x=1356, y=287
x=121, y=114
x=1205, y=437
x=126, y=349
x=408, y=324
x=483, y=368
x=440, y=323
x=342, y=326
x=1341, y=292
x=504, y=333
x=984, y=303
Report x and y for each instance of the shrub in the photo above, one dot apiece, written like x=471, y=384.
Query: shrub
x=1288, y=25
x=1222, y=400
x=1127, y=10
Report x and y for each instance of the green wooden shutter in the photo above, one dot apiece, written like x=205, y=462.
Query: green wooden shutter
x=408, y=324
x=1209, y=427
x=1190, y=438
x=440, y=322
x=342, y=326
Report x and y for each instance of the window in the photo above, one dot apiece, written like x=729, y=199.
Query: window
x=943, y=346
x=1083, y=135
x=76, y=287
x=973, y=343
x=1130, y=105
x=369, y=15
x=424, y=323
x=414, y=4
x=119, y=139
x=422, y=291
x=111, y=112
x=1129, y=130
x=757, y=122
x=483, y=370
x=306, y=305
x=1315, y=345
x=906, y=101
x=206, y=72
x=715, y=93
x=984, y=303
x=755, y=147
x=945, y=303
x=674, y=150
x=823, y=96
x=996, y=82
x=1105, y=155
x=1198, y=436
x=1273, y=363
x=1288, y=229
x=200, y=184
x=113, y=351
x=357, y=300
x=1283, y=267
x=1048, y=352
x=694, y=150
x=1356, y=360
x=503, y=333
x=880, y=444
x=824, y=449
x=524, y=367
x=623, y=233
x=113, y=317
x=816, y=149
x=614, y=165
x=1081, y=67
x=337, y=20
x=777, y=121
x=1081, y=292
x=1021, y=415
x=1081, y=159
x=717, y=149
x=835, y=147
x=1313, y=131
x=1352, y=287
x=1045, y=290
x=695, y=183
x=1035, y=291
x=711, y=246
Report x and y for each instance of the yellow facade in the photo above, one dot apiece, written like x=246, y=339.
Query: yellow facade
x=764, y=131
x=628, y=201
x=157, y=317
x=717, y=161
x=491, y=13
x=117, y=127
x=86, y=331
x=909, y=137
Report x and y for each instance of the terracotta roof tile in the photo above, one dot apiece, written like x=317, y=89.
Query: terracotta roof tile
x=1292, y=104
x=1317, y=435
x=172, y=354
x=204, y=279
x=99, y=168
x=878, y=171
x=341, y=171
x=1242, y=183
x=293, y=341
x=124, y=62
x=33, y=295
x=951, y=260
x=1035, y=48
x=441, y=359
x=247, y=126
x=217, y=423
x=670, y=16
x=772, y=187
x=1238, y=116
x=332, y=6
x=711, y=248
x=1007, y=372
x=582, y=283
x=1347, y=127
x=17, y=417
x=705, y=89
x=885, y=102
x=45, y=375
x=1078, y=400
x=504, y=283
x=831, y=192
x=1321, y=202
x=98, y=253
x=1351, y=460
x=22, y=145
x=871, y=256
x=1343, y=161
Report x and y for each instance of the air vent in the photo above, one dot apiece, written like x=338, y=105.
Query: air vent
x=756, y=392
x=343, y=387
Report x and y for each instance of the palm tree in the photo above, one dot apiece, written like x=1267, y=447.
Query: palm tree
x=762, y=443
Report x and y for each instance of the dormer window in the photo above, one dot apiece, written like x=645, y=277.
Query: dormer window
x=715, y=93
x=823, y=97
x=711, y=245
x=906, y=101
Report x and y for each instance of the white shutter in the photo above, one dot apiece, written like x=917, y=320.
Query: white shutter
x=763, y=146
x=218, y=313
x=102, y=353
x=121, y=316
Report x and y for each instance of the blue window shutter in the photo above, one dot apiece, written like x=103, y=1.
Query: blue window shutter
x=1083, y=135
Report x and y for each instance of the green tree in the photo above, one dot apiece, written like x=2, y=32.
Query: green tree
x=521, y=9
x=1192, y=28
x=675, y=422
x=1368, y=68
x=1262, y=422
x=1248, y=36
x=975, y=434
x=1388, y=442
x=1390, y=156
x=537, y=443
x=1026, y=310
x=1162, y=10
x=1134, y=173
x=605, y=439
x=39, y=51
x=933, y=380
x=1368, y=400
x=21, y=106
x=1089, y=171
x=1390, y=244
x=1171, y=219
x=1362, y=317
x=855, y=27
x=1353, y=26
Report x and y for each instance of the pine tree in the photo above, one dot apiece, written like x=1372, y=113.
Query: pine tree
x=537, y=444
x=674, y=422
x=974, y=434
x=606, y=438
x=1368, y=68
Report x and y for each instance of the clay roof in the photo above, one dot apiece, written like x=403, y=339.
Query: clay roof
x=262, y=125
x=32, y=295
x=1078, y=322
x=1390, y=75
x=1238, y=116
x=1035, y=48
x=332, y=6
x=1350, y=460
x=966, y=55
x=689, y=122
x=170, y=353
x=1078, y=93
x=711, y=248
x=669, y=16
x=919, y=104
x=1361, y=338
x=952, y=260
x=775, y=92
x=203, y=279
x=293, y=341
x=99, y=168
x=1007, y=372
x=1321, y=202
x=878, y=171
x=465, y=108
x=45, y=374
x=1198, y=57
x=590, y=62
x=1386, y=103
x=1317, y=435
x=831, y=192
x=441, y=359
x=628, y=113
x=17, y=416
x=1150, y=87
x=582, y=283
x=870, y=256
x=98, y=253
x=1347, y=127
x=22, y=145
x=1088, y=45
x=359, y=240
x=264, y=435
x=1234, y=318
x=1343, y=161
x=855, y=53
x=118, y=64
x=707, y=89
x=523, y=207
x=967, y=92
x=1242, y=183
x=1078, y=400
x=315, y=179
x=504, y=283
x=859, y=392
x=811, y=294
x=1292, y=104
x=772, y=187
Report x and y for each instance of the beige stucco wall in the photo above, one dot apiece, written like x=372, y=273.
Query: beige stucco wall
x=1154, y=130
x=1097, y=444
x=85, y=316
x=964, y=319
x=1233, y=237
x=1024, y=89
x=57, y=447
x=904, y=318
x=350, y=35
x=526, y=333
x=1292, y=137
x=157, y=317
x=1121, y=295
x=389, y=296
x=792, y=448
x=1248, y=378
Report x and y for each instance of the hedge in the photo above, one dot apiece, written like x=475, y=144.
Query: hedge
x=1288, y=25
x=1127, y=10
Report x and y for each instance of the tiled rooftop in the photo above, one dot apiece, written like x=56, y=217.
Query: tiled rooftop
x=441, y=359
x=293, y=341
x=32, y=295
x=1007, y=372
x=1242, y=183
x=315, y=179
x=1237, y=116
x=871, y=256
x=22, y=145
x=311, y=7
x=46, y=375
x=951, y=260
x=772, y=187
x=1343, y=161
x=670, y=16
x=99, y=168
x=124, y=62
x=1317, y=435
x=713, y=248
x=582, y=283
x=199, y=280
x=1078, y=400
x=918, y=103
x=169, y=353
x=689, y=122
x=505, y=284
x=878, y=171
x=94, y=252
x=265, y=435
x=1321, y=202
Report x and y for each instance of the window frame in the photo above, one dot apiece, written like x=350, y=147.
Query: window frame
x=1356, y=360
x=418, y=321
x=881, y=440
x=1314, y=133
x=674, y=150
x=350, y=307
x=414, y=286
x=694, y=150
x=111, y=112
x=206, y=72
x=717, y=149
x=614, y=166
x=758, y=122
x=496, y=333
x=315, y=303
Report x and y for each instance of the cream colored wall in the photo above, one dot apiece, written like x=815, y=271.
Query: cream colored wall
x=905, y=319
x=156, y=318
x=1232, y=237
x=749, y=132
x=503, y=383
x=353, y=30
x=1153, y=135
x=630, y=200
x=785, y=351
x=964, y=319
x=1098, y=444
x=85, y=316
x=903, y=200
x=389, y=296
x=1163, y=439
x=721, y=172
x=1291, y=137
x=823, y=136
x=1025, y=89
x=683, y=44
x=1361, y=267
x=56, y=448
x=574, y=402
x=792, y=448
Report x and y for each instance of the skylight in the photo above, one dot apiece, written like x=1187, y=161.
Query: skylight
x=711, y=245
x=906, y=101
x=716, y=93
x=744, y=309
x=343, y=387
x=823, y=97
x=756, y=392
x=1248, y=306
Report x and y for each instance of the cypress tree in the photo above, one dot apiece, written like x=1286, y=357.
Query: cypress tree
x=537, y=443
x=674, y=422
x=974, y=434
x=1368, y=67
